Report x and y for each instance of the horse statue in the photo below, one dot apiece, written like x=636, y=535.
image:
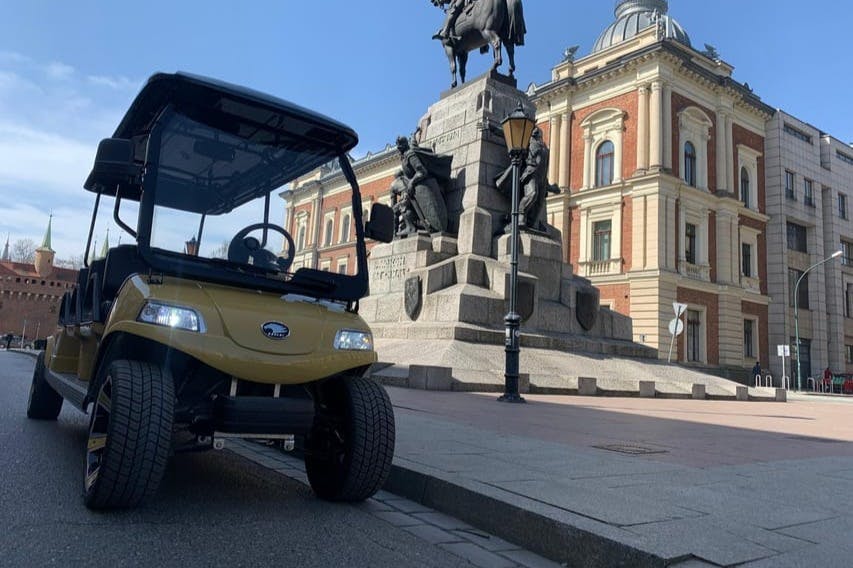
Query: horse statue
x=480, y=24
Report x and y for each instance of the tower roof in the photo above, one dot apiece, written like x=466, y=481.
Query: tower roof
x=106, y=246
x=6, y=256
x=634, y=16
x=45, y=244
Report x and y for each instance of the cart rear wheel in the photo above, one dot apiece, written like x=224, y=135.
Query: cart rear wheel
x=130, y=435
x=350, y=448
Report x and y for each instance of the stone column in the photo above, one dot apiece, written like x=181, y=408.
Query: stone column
x=643, y=129
x=588, y=158
x=730, y=169
x=720, y=135
x=555, y=148
x=617, y=157
x=565, y=152
x=726, y=261
x=655, y=128
x=667, y=127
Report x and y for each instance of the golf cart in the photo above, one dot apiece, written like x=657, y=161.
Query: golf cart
x=199, y=332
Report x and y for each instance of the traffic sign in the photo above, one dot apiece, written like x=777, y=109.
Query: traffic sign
x=676, y=326
x=679, y=308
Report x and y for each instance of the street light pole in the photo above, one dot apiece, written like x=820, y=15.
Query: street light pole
x=518, y=128
x=836, y=254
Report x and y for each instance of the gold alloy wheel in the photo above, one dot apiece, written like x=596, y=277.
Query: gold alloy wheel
x=98, y=433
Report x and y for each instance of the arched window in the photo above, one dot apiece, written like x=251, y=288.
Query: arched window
x=744, y=186
x=604, y=164
x=690, y=164
x=327, y=241
x=345, y=229
x=300, y=240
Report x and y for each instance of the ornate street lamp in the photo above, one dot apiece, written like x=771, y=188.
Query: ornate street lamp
x=836, y=254
x=518, y=128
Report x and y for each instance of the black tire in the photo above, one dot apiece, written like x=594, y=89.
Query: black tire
x=44, y=403
x=130, y=435
x=350, y=448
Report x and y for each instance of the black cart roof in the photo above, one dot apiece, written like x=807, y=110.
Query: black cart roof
x=239, y=112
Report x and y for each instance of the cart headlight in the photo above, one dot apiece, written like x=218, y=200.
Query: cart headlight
x=352, y=340
x=171, y=316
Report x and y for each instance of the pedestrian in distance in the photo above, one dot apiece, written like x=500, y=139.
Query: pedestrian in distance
x=9, y=337
x=756, y=370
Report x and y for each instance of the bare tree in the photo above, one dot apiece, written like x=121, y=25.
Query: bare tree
x=24, y=250
x=221, y=251
x=74, y=262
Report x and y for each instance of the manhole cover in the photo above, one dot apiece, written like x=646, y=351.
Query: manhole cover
x=632, y=449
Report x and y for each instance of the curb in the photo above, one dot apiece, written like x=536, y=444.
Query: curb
x=27, y=352
x=535, y=531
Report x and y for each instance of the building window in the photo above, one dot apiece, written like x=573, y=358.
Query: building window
x=848, y=350
x=746, y=259
x=808, y=192
x=802, y=292
x=847, y=256
x=690, y=238
x=744, y=186
x=789, y=185
x=601, y=240
x=749, y=339
x=300, y=239
x=844, y=157
x=342, y=266
x=345, y=226
x=842, y=205
x=690, y=164
x=796, y=237
x=327, y=239
x=848, y=300
x=604, y=164
x=694, y=342
x=796, y=133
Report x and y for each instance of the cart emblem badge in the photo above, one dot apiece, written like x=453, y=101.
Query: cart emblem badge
x=275, y=330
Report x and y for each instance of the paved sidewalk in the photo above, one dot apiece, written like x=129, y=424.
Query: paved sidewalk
x=636, y=482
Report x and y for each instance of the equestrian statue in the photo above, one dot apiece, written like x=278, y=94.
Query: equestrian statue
x=478, y=24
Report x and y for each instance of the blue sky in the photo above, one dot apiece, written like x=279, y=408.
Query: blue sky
x=68, y=70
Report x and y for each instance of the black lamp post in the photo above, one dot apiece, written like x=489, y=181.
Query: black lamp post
x=518, y=128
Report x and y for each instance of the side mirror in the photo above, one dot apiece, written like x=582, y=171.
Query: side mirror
x=381, y=224
x=114, y=165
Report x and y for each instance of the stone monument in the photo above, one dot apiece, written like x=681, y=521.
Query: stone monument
x=453, y=283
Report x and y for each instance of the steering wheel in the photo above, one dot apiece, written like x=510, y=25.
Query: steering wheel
x=244, y=248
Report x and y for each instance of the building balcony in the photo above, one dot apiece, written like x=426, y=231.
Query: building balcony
x=695, y=271
x=600, y=267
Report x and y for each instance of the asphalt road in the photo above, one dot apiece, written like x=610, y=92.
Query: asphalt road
x=213, y=508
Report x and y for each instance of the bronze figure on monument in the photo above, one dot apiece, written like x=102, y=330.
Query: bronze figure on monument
x=534, y=185
x=417, y=192
x=478, y=24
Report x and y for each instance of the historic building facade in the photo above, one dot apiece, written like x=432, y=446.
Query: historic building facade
x=677, y=187
x=30, y=294
x=660, y=154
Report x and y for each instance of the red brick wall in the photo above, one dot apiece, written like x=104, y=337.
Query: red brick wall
x=627, y=233
x=712, y=322
x=620, y=294
x=628, y=103
x=743, y=136
x=573, y=250
x=679, y=103
x=545, y=127
x=27, y=296
x=759, y=310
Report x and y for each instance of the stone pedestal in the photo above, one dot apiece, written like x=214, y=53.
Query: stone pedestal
x=457, y=286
